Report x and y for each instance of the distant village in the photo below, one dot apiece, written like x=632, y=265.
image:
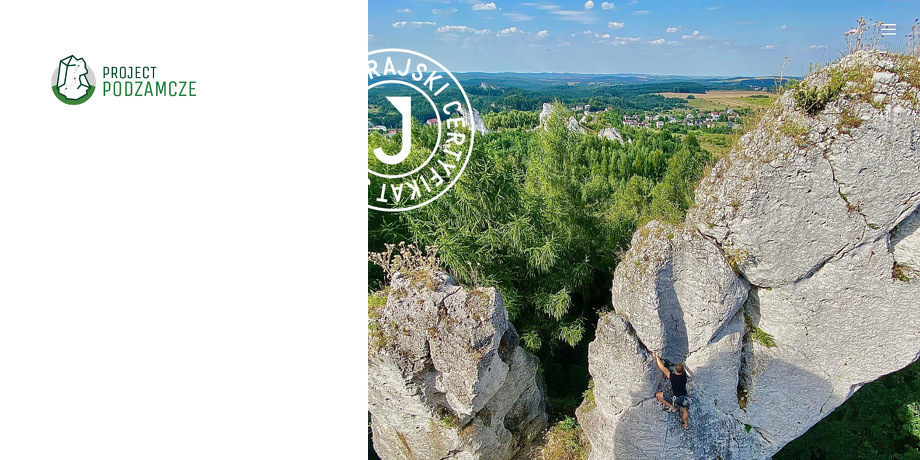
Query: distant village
x=729, y=118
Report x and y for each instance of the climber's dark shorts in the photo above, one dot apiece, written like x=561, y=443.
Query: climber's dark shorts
x=681, y=401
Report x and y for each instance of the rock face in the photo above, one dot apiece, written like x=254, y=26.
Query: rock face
x=792, y=282
x=446, y=377
x=573, y=125
x=545, y=113
x=905, y=243
x=610, y=133
x=475, y=121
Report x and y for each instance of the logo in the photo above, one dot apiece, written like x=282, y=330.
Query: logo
x=73, y=82
x=419, y=130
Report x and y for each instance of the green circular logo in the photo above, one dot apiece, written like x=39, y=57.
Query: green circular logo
x=73, y=82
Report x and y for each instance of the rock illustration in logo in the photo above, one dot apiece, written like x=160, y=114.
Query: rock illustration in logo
x=73, y=82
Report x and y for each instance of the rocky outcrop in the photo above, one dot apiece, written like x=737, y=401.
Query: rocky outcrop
x=610, y=133
x=905, y=243
x=571, y=124
x=446, y=377
x=545, y=113
x=474, y=121
x=790, y=285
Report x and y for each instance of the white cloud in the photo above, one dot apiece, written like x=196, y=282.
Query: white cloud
x=518, y=17
x=782, y=26
x=617, y=41
x=399, y=24
x=543, y=34
x=660, y=41
x=463, y=30
x=767, y=47
x=371, y=37
x=509, y=31
x=640, y=12
x=714, y=8
x=605, y=36
x=694, y=36
x=444, y=11
x=633, y=2
x=587, y=32
x=607, y=6
x=542, y=6
x=674, y=43
x=404, y=10
x=671, y=30
x=484, y=6
x=582, y=16
x=616, y=25
x=817, y=47
x=589, y=4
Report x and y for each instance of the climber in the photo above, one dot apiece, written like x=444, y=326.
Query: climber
x=678, y=380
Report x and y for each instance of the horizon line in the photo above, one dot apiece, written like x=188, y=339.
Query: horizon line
x=625, y=73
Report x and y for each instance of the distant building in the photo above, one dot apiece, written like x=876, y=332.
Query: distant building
x=659, y=124
x=431, y=121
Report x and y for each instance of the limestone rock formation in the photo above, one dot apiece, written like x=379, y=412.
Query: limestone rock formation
x=474, y=121
x=446, y=377
x=571, y=124
x=792, y=282
x=610, y=133
x=905, y=243
x=545, y=113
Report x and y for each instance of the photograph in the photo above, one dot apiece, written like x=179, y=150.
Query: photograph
x=643, y=229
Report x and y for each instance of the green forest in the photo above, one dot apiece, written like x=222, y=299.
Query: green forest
x=543, y=216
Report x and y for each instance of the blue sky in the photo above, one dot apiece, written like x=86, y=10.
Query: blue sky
x=674, y=37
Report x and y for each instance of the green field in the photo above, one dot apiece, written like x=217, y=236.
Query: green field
x=726, y=99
